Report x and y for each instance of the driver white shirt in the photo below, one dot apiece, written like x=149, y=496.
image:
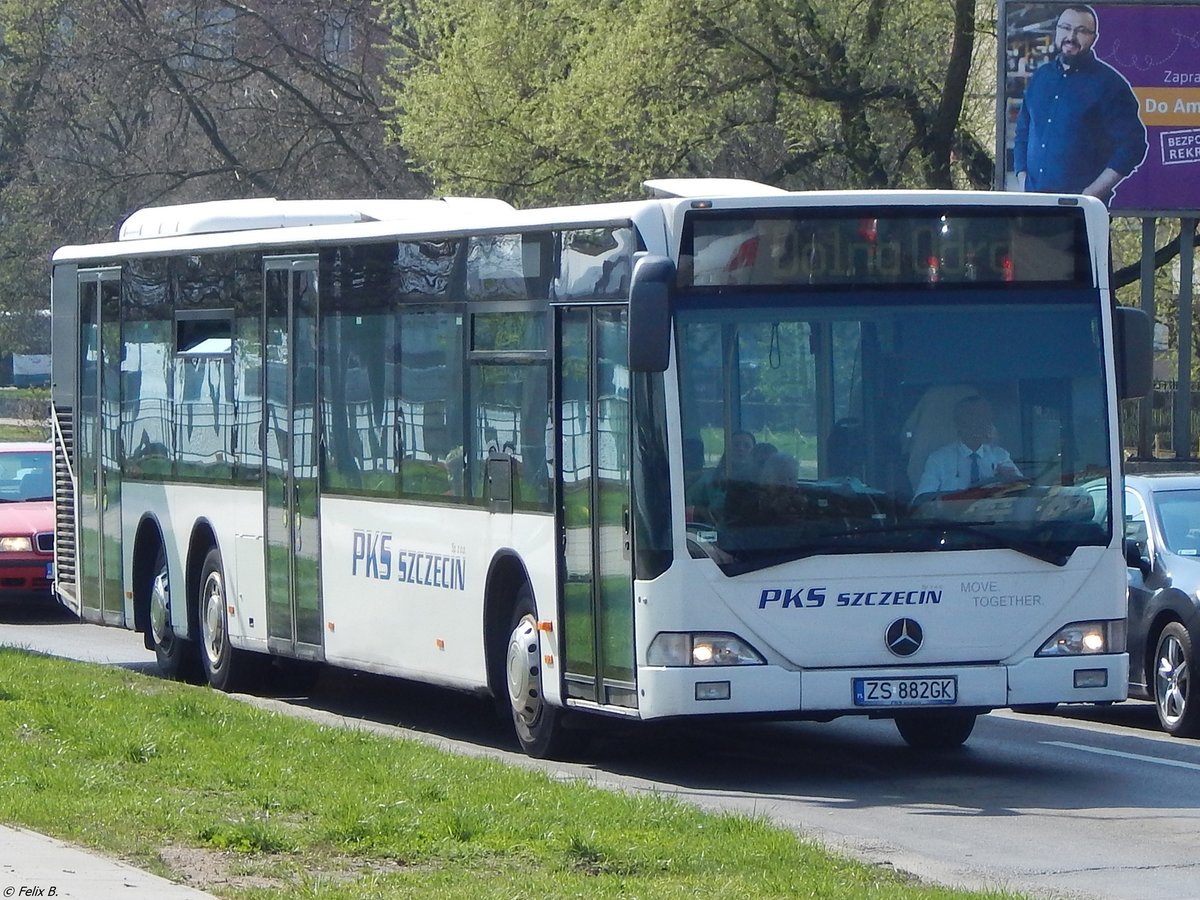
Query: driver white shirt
x=948, y=468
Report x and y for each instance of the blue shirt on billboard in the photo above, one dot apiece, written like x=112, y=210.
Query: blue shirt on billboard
x=1075, y=122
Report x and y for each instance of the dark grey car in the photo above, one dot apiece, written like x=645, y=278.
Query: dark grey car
x=1162, y=531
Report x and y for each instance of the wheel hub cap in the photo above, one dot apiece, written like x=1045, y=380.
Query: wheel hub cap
x=524, y=684
x=160, y=603
x=214, y=618
x=1172, y=681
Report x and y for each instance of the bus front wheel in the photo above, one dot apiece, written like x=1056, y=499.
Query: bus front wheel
x=538, y=724
x=943, y=730
x=227, y=668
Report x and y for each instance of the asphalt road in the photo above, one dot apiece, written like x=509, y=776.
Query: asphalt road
x=1087, y=803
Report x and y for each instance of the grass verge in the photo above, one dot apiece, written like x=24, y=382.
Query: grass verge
x=247, y=803
x=24, y=432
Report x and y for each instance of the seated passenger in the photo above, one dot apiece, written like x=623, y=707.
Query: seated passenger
x=780, y=469
x=762, y=453
x=774, y=499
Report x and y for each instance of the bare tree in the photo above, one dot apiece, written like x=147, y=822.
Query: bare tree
x=111, y=105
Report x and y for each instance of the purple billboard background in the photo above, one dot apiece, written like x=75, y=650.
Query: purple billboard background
x=1157, y=49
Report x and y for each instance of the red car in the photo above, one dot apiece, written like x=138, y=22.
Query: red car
x=26, y=518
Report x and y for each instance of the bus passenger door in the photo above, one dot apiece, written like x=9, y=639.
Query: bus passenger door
x=594, y=446
x=98, y=448
x=291, y=453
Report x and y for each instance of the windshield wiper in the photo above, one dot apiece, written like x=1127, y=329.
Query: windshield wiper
x=867, y=540
x=1055, y=554
x=924, y=537
x=861, y=543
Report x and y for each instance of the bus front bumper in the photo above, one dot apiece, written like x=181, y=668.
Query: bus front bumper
x=772, y=690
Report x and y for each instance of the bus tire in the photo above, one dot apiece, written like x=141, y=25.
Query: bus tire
x=942, y=730
x=227, y=668
x=176, y=656
x=1177, y=704
x=538, y=724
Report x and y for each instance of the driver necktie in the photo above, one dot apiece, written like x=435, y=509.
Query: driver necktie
x=974, y=468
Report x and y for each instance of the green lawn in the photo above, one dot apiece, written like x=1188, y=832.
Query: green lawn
x=24, y=432
x=28, y=410
x=172, y=776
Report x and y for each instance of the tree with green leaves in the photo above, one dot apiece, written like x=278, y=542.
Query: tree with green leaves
x=553, y=101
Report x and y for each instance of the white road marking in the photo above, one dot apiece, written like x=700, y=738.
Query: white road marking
x=1138, y=756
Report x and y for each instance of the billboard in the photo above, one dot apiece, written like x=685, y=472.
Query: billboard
x=1104, y=99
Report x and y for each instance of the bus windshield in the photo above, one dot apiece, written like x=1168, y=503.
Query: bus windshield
x=880, y=421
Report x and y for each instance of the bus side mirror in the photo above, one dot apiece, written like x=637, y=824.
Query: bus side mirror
x=1134, y=352
x=650, y=314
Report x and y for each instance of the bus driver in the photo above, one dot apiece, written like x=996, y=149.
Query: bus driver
x=973, y=458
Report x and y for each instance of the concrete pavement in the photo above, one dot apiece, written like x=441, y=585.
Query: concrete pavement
x=33, y=865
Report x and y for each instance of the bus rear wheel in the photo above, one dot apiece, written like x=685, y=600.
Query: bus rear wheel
x=943, y=730
x=537, y=723
x=227, y=668
x=176, y=656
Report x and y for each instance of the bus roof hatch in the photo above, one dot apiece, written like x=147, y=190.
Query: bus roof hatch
x=710, y=187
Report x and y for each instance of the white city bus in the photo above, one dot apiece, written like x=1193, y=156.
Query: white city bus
x=456, y=442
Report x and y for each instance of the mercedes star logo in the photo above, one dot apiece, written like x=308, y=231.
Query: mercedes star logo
x=903, y=637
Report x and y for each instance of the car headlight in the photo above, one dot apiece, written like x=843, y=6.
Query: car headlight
x=13, y=544
x=1086, y=638
x=701, y=649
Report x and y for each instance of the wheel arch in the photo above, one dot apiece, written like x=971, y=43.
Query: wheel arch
x=1149, y=660
x=146, y=542
x=505, y=577
x=203, y=539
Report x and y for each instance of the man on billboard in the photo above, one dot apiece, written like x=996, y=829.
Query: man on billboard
x=1078, y=130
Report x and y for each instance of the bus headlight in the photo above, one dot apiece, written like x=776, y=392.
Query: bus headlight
x=701, y=649
x=1086, y=638
x=15, y=544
